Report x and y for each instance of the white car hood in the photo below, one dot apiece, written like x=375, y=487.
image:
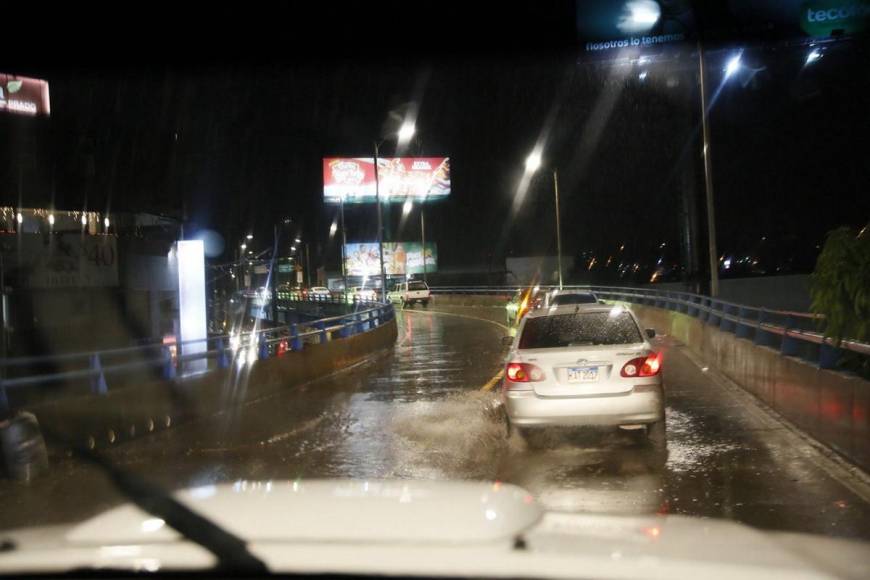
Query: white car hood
x=431, y=529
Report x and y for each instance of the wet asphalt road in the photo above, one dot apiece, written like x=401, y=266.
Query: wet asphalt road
x=419, y=412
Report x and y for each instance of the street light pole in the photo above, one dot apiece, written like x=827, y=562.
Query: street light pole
x=380, y=230
x=708, y=182
x=558, y=225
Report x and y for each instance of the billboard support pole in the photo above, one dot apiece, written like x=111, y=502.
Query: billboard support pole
x=423, y=238
x=343, y=250
x=380, y=230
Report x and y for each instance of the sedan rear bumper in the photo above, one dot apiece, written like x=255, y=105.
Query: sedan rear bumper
x=525, y=408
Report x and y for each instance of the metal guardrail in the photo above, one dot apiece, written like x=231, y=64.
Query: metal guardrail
x=792, y=332
x=169, y=359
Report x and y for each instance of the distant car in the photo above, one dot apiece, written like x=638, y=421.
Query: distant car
x=409, y=293
x=586, y=366
x=362, y=294
x=318, y=293
x=572, y=297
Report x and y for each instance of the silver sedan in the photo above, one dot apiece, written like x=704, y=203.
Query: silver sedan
x=583, y=365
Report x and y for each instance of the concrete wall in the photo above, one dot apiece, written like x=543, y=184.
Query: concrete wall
x=125, y=414
x=831, y=406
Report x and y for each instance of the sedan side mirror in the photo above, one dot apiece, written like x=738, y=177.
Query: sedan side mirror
x=507, y=340
x=650, y=332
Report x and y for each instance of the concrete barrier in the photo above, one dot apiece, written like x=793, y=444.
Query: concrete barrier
x=828, y=405
x=494, y=300
x=125, y=414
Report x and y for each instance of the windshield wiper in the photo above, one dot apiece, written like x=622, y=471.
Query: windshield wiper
x=231, y=551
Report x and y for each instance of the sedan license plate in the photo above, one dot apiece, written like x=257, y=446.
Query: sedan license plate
x=582, y=374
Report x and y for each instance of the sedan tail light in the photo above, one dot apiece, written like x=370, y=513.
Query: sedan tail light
x=517, y=372
x=645, y=366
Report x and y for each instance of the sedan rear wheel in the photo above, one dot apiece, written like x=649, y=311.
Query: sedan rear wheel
x=657, y=432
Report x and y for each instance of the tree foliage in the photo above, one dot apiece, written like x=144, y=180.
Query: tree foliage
x=840, y=285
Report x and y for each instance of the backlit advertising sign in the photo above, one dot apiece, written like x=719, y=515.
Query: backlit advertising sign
x=352, y=179
x=400, y=258
x=24, y=96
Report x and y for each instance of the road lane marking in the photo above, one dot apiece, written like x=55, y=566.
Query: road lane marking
x=493, y=381
x=497, y=376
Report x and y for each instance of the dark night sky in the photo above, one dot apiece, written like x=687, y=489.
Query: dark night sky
x=241, y=141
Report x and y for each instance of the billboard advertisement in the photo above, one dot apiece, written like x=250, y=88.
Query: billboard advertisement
x=24, y=96
x=352, y=179
x=400, y=258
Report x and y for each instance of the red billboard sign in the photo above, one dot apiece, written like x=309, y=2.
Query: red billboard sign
x=24, y=96
x=352, y=179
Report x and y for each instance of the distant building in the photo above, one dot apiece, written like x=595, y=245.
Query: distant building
x=74, y=280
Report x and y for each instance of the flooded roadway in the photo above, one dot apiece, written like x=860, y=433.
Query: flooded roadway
x=420, y=412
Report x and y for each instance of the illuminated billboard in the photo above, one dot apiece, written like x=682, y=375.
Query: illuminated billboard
x=24, y=96
x=400, y=258
x=352, y=179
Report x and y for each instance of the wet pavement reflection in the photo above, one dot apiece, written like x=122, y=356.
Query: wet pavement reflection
x=419, y=412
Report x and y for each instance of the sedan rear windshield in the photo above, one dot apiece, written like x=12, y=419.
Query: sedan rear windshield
x=561, y=299
x=417, y=286
x=580, y=329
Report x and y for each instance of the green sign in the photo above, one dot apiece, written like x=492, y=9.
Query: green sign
x=825, y=17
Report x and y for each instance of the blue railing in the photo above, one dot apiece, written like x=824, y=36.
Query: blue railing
x=793, y=333
x=168, y=360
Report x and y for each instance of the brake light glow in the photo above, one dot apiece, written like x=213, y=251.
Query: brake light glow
x=647, y=366
x=517, y=372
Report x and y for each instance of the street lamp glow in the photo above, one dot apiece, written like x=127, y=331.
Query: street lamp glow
x=333, y=228
x=249, y=237
x=407, y=206
x=106, y=222
x=732, y=66
x=814, y=55
x=292, y=248
x=19, y=218
x=244, y=247
x=406, y=131
x=639, y=16
x=297, y=240
x=51, y=219
x=84, y=219
x=533, y=162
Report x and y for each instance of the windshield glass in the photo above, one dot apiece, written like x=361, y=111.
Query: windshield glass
x=580, y=329
x=614, y=253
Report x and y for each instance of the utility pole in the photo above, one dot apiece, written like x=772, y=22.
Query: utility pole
x=708, y=182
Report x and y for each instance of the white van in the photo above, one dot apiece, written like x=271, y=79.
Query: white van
x=408, y=293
